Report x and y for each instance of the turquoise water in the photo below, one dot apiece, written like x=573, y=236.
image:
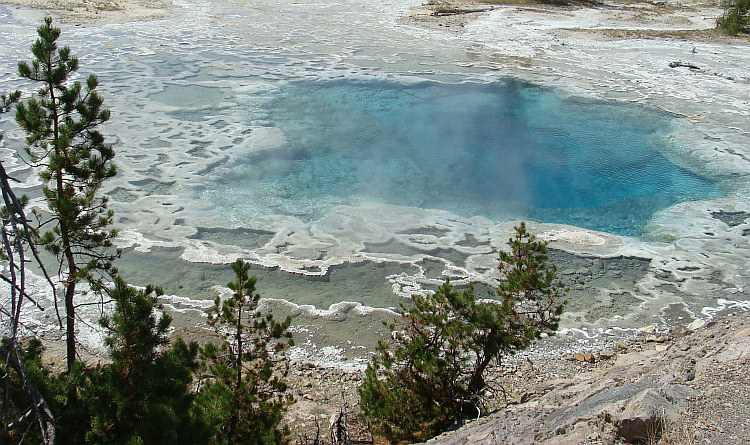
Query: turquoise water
x=506, y=150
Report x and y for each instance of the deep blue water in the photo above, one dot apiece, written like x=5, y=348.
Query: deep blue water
x=506, y=150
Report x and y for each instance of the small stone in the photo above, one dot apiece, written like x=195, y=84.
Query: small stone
x=579, y=357
x=696, y=324
x=661, y=339
x=606, y=354
x=649, y=329
x=619, y=346
x=589, y=357
x=307, y=397
x=690, y=375
x=527, y=365
x=678, y=332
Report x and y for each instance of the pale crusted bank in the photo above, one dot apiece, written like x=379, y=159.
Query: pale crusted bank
x=94, y=12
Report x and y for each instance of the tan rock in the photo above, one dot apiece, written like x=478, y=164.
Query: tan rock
x=606, y=354
x=696, y=324
x=619, y=346
x=678, y=332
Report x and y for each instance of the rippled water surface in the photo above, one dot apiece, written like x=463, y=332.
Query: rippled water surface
x=505, y=150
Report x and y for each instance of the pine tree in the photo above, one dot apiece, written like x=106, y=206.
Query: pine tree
x=144, y=395
x=432, y=370
x=243, y=392
x=414, y=387
x=61, y=125
x=736, y=17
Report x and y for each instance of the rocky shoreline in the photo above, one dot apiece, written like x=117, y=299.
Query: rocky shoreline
x=689, y=387
x=682, y=386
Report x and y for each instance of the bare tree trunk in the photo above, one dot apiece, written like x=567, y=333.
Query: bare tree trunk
x=70, y=325
x=238, y=383
x=21, y=234
x=38, y=405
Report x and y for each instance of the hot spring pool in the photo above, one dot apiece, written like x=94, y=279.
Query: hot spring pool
x=309, y=139
x=504, y=150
